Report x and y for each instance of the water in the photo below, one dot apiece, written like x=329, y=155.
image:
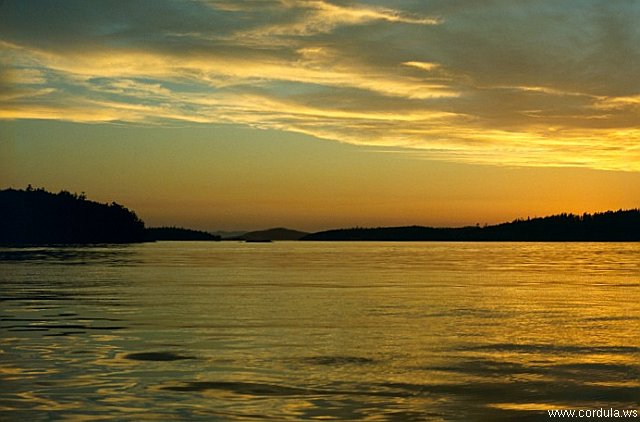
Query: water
x=297, y=330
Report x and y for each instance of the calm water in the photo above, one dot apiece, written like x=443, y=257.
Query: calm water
x=296, y=330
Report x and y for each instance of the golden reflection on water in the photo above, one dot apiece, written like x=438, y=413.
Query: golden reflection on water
x=296, y=330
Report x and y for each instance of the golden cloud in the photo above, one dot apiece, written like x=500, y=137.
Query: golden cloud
x=445, y=95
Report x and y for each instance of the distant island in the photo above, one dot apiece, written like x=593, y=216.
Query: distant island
x=622, y=225
x=35, y=216
x=278, y=233
x=178, y=233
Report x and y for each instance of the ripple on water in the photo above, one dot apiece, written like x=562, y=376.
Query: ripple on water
x=337, y=360
x=157, y=356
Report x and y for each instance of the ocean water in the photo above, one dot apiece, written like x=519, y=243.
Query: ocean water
x=318, y=331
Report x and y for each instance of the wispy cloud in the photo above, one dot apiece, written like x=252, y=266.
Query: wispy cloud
x=422, y=65
x=307, y=17
x=499, y=83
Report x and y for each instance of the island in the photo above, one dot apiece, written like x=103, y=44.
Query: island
x=278, y=233
x=179, y=233
x=36, y=216
x=611, y=226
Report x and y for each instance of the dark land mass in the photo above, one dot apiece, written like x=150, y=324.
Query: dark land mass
x=35, y=216
x=271, y=234
x=178, y=233
x=228, y=234
x=611, y=226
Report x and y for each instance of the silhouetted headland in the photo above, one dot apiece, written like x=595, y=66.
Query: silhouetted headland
x=35, y=216
x=178, y=233
x=611, y=226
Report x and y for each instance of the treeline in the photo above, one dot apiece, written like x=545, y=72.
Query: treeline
x=36, y=216
x=622, y=225
x=178, y=233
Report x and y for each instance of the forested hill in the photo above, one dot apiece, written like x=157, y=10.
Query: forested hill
x=622, y=225
x=35, y=216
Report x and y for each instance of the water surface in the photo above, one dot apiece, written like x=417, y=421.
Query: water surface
x=305, y=330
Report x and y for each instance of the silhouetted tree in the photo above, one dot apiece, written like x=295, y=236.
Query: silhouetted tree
x=621, y=225
x=36, y=216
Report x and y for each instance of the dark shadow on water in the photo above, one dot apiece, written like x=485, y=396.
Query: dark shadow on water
x=157, y=356
x=29, y=296
x=26, y=329
x=553, y=349
x=461, y=401
x=614, y=318
x=337, y=360
x=61, y=314
x=71, y=254
x=61, y=327
x=479, y=389
x=242, y=388
x=576, y=372
x=65, y=334
x=61, y=324
x=526, y=392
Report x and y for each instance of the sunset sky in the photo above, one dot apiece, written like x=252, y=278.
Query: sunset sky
x=313, y=114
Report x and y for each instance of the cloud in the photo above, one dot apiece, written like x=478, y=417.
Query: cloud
x=493, y=82
x=422, y=65
x=306, y=17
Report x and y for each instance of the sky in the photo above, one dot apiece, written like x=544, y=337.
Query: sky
x=316, y=114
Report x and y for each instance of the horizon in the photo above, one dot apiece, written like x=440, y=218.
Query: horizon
x=318, y=114
x=236, y=232
x=285, y=227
